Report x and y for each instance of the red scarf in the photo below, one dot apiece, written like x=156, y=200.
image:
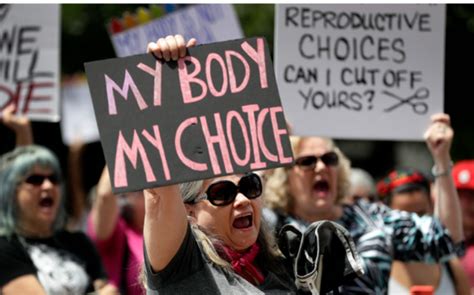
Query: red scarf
x=242, y=263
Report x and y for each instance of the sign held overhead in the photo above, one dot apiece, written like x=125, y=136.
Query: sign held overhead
x=214, y=112
x=355, y=71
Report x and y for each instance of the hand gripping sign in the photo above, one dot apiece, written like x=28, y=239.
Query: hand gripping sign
x=214, y=112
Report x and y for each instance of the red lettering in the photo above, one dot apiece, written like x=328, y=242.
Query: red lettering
x=30, y=97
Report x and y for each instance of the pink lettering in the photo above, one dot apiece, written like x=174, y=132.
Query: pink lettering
x=261, y=139
x=179, y=150
x=220, y=139
x=185, y=79
x=277, y=133
x=127, y=83
x=158, y=144
x=250, y=110
x=233, y=82
x=231, y=115
x=220, y=61
x=120, y=173
x=156, y=73
x=259, y=57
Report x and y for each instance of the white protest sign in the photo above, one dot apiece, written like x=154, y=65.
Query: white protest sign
x=29, y=59
x=78, y=122
x=360, y=71
x=207, y=23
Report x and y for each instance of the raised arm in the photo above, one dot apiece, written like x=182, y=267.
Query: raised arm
x=75, y=170
x=439, y=137
x=165, y=224
x=105, y=209
x=19, y=124
x=165, y=214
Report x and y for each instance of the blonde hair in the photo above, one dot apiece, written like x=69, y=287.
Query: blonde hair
x=277, y=195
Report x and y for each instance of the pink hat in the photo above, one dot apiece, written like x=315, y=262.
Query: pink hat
x=463, y=174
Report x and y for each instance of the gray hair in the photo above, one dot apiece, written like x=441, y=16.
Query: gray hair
x=14, y=167
x=269, y=252
x=190, y=190
x=360, y=177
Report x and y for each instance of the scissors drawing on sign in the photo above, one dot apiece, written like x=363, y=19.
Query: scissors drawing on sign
x=419, y=107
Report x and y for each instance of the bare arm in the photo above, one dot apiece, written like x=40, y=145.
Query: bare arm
x=19, y=124
x=75, y=169
x=105, y=209
x=460, y=277
x=165, y=224
x=439, y=137
x=165, y=214
x=27, y=284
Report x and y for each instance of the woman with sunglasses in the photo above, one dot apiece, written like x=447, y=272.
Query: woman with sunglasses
x=208, y=236
x=37, y=255
x=314, y=188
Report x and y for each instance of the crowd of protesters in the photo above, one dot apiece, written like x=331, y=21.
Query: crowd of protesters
x=221, y=235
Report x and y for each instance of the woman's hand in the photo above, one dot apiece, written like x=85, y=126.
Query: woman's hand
x=170, y=47
x=439, y=137
x=19, y=124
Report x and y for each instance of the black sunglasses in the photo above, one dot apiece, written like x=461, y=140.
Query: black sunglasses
x=38, y=179
x=223, y=193
x=309, y=162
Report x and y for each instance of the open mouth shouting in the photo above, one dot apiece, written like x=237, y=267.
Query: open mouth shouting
x=46, y=204
x=243, y=221
x=321, y=188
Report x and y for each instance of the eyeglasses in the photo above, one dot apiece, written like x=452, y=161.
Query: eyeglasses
x=38, y=179
x=309, y=162
x=223, y=193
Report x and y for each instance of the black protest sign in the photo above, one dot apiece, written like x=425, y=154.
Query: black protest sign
x=214, y=112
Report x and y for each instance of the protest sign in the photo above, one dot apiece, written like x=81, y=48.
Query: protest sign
x=206, y=22
x=360, y=71
x=78, y=121
x=29, y=59
x=214, y=112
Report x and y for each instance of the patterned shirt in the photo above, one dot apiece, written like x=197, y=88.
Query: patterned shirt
x=382, y=235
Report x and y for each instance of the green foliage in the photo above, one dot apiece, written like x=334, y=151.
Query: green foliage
x=257, y=20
